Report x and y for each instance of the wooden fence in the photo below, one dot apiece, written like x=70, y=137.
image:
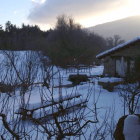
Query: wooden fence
x=78, y=69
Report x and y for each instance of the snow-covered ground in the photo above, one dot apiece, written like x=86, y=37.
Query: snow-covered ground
x=109, y=105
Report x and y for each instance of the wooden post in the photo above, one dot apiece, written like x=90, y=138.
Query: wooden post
x=66, y=69
x=124, y=106
x=77, y=69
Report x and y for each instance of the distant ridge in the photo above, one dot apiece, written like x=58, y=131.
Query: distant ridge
x=128, y=28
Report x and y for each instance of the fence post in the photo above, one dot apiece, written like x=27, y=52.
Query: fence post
x=66, y=70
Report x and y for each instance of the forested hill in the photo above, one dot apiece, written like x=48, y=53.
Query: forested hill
x=67, y=43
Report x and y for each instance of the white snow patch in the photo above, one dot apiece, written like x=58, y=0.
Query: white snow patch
x=132, y=128
x=111, y=79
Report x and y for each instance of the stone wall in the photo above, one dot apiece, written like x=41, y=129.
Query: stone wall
x=109, y=61
x=109, y=66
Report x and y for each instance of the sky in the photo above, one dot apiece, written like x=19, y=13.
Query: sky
x=44, y=13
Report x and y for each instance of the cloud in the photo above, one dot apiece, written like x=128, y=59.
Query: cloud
x=15, y=12
x=46, y=11
x=43, y=1
x=35, y=1
x=38, y=1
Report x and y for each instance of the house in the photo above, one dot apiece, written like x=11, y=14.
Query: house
x=112, y=57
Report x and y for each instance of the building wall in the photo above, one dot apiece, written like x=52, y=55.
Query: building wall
x=109, y=66
x=109, y=62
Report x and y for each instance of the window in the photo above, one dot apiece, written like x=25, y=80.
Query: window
x=131, y=64
x=118, y=65
x=128, y=64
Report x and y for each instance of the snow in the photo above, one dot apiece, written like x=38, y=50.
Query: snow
x=97, y=70
x=103, y=98
x=111, y=79
x=117, y=47
x=107, y=103
x=49, y=102
x=37, y=115
x=131, y=129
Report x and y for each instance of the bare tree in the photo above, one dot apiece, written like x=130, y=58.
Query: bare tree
x=130, y=94
x=50, y=118
x=114, y=41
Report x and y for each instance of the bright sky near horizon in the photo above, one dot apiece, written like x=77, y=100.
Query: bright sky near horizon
x=86, y=12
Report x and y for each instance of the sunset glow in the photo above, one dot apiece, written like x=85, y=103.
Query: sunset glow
x=132, y=8
x=86, y=12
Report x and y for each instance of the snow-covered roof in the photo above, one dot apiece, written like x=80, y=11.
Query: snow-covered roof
x=131, y=127
x=101, y=55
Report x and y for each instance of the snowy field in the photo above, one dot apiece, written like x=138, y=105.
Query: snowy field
x=109, y=106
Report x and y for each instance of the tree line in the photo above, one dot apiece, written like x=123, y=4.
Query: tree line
x=67, y=43
x=27, y=37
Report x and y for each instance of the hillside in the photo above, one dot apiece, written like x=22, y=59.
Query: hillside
x=127, y=28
